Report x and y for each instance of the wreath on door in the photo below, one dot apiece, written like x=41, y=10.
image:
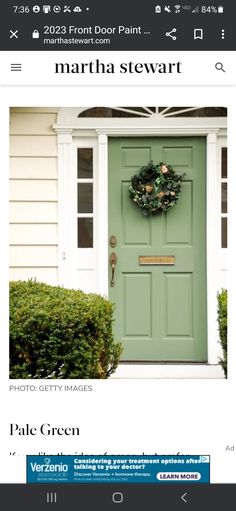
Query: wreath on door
x=155, y=188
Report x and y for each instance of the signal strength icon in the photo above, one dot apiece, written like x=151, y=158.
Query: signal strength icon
x=177, y=9
x=196, y=10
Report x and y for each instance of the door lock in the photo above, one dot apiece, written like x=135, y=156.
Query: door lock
x=113, y=241
x=113, y=261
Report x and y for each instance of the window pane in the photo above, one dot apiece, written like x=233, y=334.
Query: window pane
x=224, y=197
x=224, y=162
x=224, y=232
x=208, y=112
x=85, y=163
x=85, y=232
x=198, y=112
x=112, y=112
x=85, y=197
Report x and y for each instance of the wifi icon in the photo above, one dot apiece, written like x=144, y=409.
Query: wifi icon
x=177, y=9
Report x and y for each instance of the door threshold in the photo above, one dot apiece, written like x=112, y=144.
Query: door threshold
x=168, y=371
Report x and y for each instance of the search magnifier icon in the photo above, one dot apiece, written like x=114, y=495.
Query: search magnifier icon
x=219, y=66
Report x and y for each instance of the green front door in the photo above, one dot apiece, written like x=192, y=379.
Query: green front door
x=160, y=310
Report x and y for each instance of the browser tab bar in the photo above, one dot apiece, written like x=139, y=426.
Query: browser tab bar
x=119, y=26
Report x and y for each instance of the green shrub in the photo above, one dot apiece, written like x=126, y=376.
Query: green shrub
x=60, y=333
x=222, y=323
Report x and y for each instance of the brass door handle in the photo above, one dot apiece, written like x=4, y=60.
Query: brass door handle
x=113, y=261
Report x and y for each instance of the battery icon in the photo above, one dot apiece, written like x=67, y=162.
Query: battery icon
x=220, y=9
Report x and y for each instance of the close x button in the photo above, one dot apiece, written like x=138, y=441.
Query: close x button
x=14, y=34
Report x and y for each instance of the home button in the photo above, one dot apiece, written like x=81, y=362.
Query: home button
x=117, y=497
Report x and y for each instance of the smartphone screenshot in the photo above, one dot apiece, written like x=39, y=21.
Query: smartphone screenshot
x=118, y=219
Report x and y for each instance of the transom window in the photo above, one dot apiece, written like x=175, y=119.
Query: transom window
x=149, y=111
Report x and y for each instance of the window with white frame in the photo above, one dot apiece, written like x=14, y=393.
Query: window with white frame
x=85, y=208
x=224, y=192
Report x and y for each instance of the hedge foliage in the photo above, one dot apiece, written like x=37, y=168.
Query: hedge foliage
x=60, y=333
x=222, y=323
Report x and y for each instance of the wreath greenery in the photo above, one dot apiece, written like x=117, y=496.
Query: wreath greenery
x=156, y=188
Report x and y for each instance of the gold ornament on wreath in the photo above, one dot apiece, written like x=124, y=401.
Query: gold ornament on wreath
x=156, y=188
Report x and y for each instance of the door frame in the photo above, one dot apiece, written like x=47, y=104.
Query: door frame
x=98, y=135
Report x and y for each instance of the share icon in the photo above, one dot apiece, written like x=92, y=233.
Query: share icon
x=170, y=34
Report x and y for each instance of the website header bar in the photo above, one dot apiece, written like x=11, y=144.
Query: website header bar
x=154, y=68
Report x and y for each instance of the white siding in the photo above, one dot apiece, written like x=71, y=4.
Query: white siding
x=30, y=234
x=32, y=168
x=33, y=212
x=32, y=123
x=26, y=145
x=33, y=256
x=33, y=195
x=33, y=190
x=49, y=275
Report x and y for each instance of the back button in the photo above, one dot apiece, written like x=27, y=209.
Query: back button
x=184, y=497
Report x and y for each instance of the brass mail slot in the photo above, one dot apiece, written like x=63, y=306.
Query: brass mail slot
x=155, y=260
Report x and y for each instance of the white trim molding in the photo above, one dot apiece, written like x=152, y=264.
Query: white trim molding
x=73, y=131
x=212, y=238
x=64, y=140
x=103, y=214
x=168, y=371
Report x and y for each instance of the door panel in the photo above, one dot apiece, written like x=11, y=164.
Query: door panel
x=160, y=311
x=136, y=289
x=182, y=216
x=178, y=314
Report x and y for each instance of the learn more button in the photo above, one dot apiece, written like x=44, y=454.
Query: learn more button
x=178, y=476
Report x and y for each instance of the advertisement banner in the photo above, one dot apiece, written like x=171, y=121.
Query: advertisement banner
x=118, y=469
